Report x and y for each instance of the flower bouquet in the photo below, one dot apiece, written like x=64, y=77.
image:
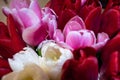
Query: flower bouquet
x=65, y=40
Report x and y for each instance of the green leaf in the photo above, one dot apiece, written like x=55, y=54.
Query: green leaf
x=39, y=52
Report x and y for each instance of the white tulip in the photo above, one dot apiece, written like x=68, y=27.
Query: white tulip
x=22, y=58
x=53, y=58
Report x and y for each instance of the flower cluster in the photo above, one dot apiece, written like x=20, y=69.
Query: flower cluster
x=65, y=40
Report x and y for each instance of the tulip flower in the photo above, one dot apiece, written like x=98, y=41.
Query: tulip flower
x=66, y=9
x=10, y=43
x=22, y=58
x=30, y=72
x=4, y=67
x=35, y=24
x=106, y=20
x=53, y=58
x=110, y=59
x=10, y=40
x=77, y=36
x=84, y=68
x=111, y=68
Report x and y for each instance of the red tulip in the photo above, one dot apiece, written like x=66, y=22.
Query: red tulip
x=111, y=68
x=85, y=68
x=106, y=21
x=66, y=9
x=10, y=43
x=111, y=60
x=10, y=40
x=4, y=67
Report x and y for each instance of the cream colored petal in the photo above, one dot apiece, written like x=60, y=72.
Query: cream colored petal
x=10, y=76
x=32, y=72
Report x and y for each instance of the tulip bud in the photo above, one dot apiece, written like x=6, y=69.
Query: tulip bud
x=53, y=58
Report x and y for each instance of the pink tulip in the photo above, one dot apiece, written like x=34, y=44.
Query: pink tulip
x=75, y=24
x=77, y=36
x=34, y=23
x=80, y=39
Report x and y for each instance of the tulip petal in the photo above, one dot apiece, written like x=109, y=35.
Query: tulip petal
x=93, y=20
x=35, y=35
x=58, y=36
x=13, y=43
x=36, y=8
x=28, y=17
x=19, y=4
x=4, y=67
x=6, y=11
x=76, y=70
x=65, y=16
x=102, y=39
x=73, y=39
x=109, y=19
x=74, y=24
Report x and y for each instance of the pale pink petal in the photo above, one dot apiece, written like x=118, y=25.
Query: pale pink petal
x=102, y=37
x=101, y=40
x=52, y=25
x=35, y=35
x=80, y=39
x=6, y=11
x=36, y=8
x=28, y=17
x=83, y=2
x=79, y=20
x=75, y=24
x=73, y=39
x=50, y=19
x=58, y=36
x=87, y=38
x=18, y=4
x=16, y=16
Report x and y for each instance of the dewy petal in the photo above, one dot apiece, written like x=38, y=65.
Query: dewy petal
x=36, y=8
x=28, y=17
x=58, y=36
x=22, y=58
